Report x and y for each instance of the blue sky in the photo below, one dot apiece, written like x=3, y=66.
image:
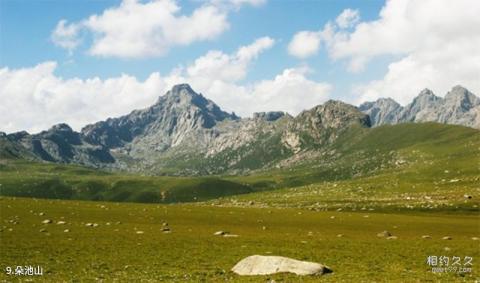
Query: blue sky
x=371, y=55
x=23, y=46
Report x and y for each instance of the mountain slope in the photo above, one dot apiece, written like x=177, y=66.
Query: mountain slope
x=391, y=160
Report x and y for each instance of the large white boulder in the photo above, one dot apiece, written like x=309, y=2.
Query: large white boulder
x=264, y=265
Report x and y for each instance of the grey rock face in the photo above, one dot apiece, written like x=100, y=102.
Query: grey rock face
x=61, y=144
x=458, y=107
x=382, y=111
x=269, y=116
x=322, y=124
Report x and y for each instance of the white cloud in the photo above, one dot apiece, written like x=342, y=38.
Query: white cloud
x=35, y=98
x=348, y=18
x=304, y=44
x=66, y=35
x=437, y=41
x=230, y=68
x=137, y=29
x=238, y=3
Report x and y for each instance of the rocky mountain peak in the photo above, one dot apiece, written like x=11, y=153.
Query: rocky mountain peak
x=459, y=106
x=332, y=114
x=462, y=97
x=62, y=127
x=269, y=116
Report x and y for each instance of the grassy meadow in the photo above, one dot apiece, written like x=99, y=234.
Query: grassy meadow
x=129, y=245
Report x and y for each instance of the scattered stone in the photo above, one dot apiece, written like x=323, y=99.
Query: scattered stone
x=426, y=237
x=384, y=234
x=220, y=233
x=66, y=231
x=265, y=265
x=164, y=224
x=251, y=202
x=447, y=249
x=89, y=224
x=43, y=230
x=264, y=228
x=47, y=221
x=139, y=232
x=467, y=196
x=392, y=238
x=230, y=236
x=61, y=222
x=41, y=213
x=475, y=238
x=447, y=238
x=340, y=235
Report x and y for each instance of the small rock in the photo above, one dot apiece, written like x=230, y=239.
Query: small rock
x=230, y=236
x=475, y=238
x=467, y=196
x=340, y=235
x=220, y=233
x=47, y=221
x=89, y=224
x=392, y=238
x=164, y=224
x=66, y=231
x=426, y=237
x=43, y=230
x=41, y=213
x=447, y=238
x=139, y=232
x=384, y=234
x=61, y=222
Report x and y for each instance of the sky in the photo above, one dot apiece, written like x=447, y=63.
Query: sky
x=79, y=62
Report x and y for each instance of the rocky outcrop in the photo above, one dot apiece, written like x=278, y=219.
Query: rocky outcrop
x=458, y=107
x=266, y=265
x=322, y=125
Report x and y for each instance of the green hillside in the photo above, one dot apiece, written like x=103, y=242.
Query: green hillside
x=384, y=161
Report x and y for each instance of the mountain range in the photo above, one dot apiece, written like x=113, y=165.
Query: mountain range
x=184, y=133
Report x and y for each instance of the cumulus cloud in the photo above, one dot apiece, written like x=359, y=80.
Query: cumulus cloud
x=228, y=67
x=35, y=98
x=66, y=35
x=436, y=43
x=436, y=40
x=136, y=29
x=347, y=18
x=304, y=44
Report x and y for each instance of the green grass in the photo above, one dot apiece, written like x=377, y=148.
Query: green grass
x=47, y=180
x=191, y=253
